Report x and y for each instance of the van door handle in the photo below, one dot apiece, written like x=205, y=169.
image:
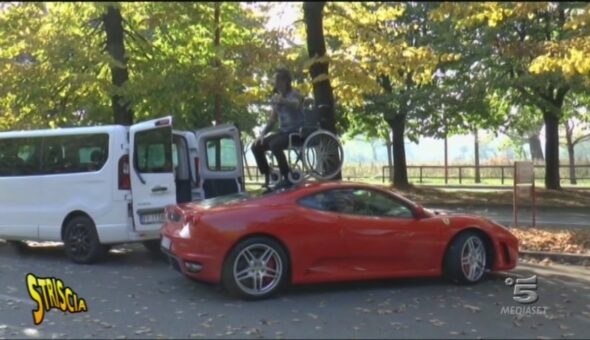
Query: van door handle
x=159, y=189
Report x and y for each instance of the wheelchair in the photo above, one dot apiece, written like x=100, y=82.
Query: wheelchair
x=312, y=151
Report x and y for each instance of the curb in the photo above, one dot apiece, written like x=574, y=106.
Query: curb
x=570, y=258
x=498, y=205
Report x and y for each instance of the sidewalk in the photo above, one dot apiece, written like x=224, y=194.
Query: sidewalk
x=545, y=217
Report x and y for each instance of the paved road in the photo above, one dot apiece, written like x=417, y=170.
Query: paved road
x=134, y=295
x=546, y=217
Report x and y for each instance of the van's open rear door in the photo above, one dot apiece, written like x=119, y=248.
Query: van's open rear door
x=152, y=176
x=221, y=167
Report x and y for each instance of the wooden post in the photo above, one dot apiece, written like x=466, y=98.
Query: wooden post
x=446, y=160
x=420, y=174
x=515, y=201
x=476, y=152
x=534, y=199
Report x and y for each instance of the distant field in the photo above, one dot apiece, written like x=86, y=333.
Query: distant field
x=489, y=176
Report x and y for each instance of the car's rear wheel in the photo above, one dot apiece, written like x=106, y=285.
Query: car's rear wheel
x=81, y=241
x=257, y=268
x=466, y=259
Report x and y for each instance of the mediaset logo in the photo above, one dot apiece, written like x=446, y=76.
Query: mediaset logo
x=525, y=293
x=50, y=292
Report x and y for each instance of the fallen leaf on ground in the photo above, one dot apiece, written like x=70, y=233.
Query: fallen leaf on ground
x=437, y=322
x=472, y=308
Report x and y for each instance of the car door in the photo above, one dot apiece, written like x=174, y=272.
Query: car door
x=383, y=236
x=152, y=178
x=320, y=252
x=183, y=173
x=221, y=169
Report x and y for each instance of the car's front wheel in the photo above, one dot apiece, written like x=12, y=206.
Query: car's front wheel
x=256, y=268
x=465, y=261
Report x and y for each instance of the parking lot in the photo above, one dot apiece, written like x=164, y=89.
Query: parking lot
x=135, y=295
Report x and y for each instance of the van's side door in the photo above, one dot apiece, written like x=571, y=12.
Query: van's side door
x=221, y=169
x=152, y=177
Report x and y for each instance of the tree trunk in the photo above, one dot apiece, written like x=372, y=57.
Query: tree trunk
x=389, y=146
x=217, y=62
x=535, y=148
x=446, y=158
x=551, y=150
x=400, y=172
x=570, y=152
x=476, y=152
x=316, y=47
x=115, y=46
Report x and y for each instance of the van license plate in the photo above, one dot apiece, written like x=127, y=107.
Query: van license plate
x=152, y=218
x=166, y=242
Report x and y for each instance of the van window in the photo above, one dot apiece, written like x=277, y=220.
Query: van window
x=221, y=154
x=153, y=150
x=19, y=156
x=75, y=153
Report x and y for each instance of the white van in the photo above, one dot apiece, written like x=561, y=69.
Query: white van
x=92, y=187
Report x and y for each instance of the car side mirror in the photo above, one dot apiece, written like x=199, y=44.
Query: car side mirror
x=419, y=211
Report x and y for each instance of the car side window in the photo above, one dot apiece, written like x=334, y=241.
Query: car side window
x=338, y=201
x=377, y=204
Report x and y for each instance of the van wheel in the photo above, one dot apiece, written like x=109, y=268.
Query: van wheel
x=153, y=246
x=81, y=241
x=21, y=247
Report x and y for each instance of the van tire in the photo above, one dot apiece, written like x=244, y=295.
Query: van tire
x=81, y=241
x=153, y=247
x=21, y=247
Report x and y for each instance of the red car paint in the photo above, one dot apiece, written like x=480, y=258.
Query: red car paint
x=325, y=246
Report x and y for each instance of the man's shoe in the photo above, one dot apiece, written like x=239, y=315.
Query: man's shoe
x=283, y=184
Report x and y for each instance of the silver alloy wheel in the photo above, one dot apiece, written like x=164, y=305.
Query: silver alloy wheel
x=473, y=258
x=257, y=269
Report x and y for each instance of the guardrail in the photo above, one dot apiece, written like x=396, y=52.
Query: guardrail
x=467, y=172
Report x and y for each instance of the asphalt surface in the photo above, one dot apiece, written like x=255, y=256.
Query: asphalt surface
x=545, y=217
x=135, y=295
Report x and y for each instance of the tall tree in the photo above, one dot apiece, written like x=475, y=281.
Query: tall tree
x=536, y=57
x=576, y=125
x=115, y=46
x=313, y=13
x=216, y=61
x=56, y=71
x=383, y=55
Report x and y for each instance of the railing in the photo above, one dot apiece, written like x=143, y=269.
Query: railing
x=461, y=174
x=504, y=173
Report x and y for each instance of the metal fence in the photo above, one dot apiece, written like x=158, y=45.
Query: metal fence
x=466, y=173
x=462, y=174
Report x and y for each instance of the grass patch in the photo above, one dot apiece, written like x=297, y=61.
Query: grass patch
x=574, y=241
x=567, y=198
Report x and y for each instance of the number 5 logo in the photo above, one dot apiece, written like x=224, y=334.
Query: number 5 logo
x=524, y=289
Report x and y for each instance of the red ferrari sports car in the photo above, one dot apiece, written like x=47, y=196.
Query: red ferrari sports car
x=332, y=231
